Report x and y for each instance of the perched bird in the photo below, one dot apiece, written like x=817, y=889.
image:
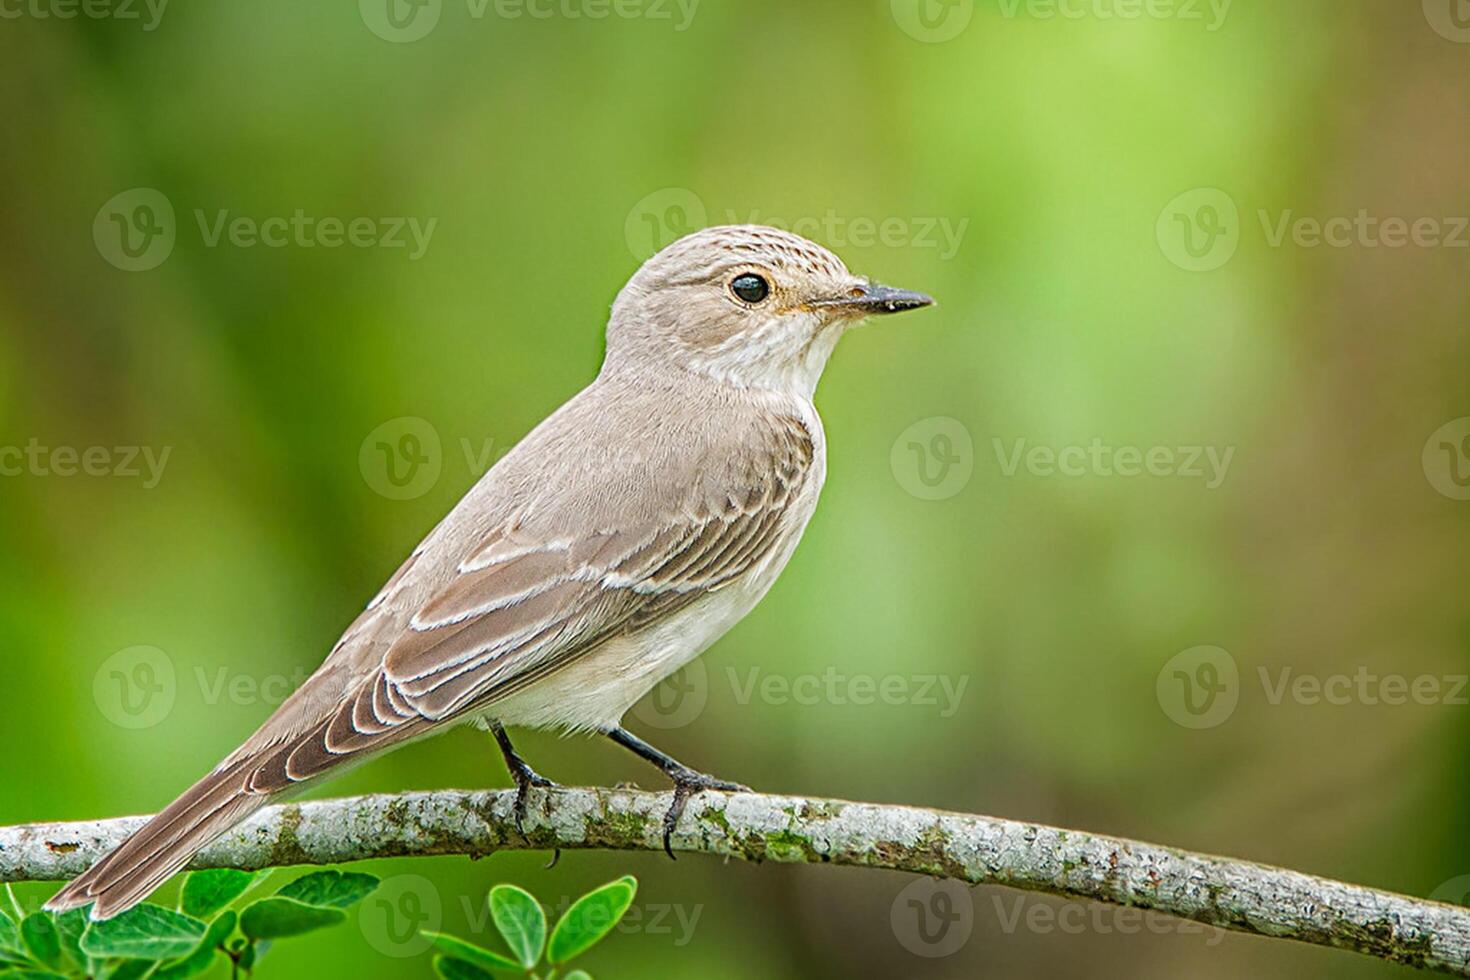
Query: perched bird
x=624, y=535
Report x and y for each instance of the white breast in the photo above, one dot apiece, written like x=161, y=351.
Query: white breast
x=594, y=692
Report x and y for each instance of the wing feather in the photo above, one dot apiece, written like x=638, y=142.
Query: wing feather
x=520, y=607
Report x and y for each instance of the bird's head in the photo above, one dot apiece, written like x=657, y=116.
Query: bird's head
x=748, y=305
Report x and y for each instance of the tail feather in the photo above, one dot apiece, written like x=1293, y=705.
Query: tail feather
x=163, y=845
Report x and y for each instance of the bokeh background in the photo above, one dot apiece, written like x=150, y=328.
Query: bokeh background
x=1116, y=215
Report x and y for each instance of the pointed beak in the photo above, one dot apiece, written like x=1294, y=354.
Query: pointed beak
x=869, y=299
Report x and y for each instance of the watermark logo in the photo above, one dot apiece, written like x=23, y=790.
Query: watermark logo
x=681, y=698
x=1363, y=687
x=1209, y=464
x=393, y=917
x=1199, y=230
x=839, y=231
x=1044, y=918
x=1456, y=891
x=662, y=218
x=934, y=458
x=1199, y=687
x=1446, y=459
x=1449, y=18
x=404, y=21
x=932, y=21
x=149, y=12
x=402, y=458
x=933, y=918
x=1211, y=13
x=400, y=21
x=942, y=692
x=677, y=700
x=135, y=230
x=665, y=216
x=125, y=462
x=135, y=688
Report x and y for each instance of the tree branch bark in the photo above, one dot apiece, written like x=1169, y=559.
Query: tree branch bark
x=1237, y=895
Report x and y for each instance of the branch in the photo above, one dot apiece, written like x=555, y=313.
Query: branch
x=1238, y=895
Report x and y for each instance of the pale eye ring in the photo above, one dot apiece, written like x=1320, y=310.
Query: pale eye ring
x=750, y=288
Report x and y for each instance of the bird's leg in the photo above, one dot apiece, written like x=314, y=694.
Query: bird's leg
x=687, y=781
x=523, y=774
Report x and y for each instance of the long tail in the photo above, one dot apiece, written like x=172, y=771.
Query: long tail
x=280, y=759
x=164, y=844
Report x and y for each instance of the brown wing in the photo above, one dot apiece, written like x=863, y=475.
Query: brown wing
x=524, y=605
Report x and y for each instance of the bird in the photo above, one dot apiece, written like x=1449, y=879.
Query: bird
x=619, y=539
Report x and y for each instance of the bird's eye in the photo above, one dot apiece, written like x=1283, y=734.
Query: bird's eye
x=750, y=288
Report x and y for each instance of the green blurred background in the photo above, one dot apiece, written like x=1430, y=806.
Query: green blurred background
x=552, y=153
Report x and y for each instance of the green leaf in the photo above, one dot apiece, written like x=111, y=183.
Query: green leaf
x=252, y=953
x=278, y=918
x=146, y=931
x=452, y=969
x=591, y=918
x=579, y=975
x=10, y=936
x=39, y=932
x=520, y=920
x=203, y=955
x=330, y=889
x=33, y=975
x=477, y=956
x=126, y=969
x=206, y=892
x=69, y=926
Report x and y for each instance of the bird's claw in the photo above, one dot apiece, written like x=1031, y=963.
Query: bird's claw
x=687, y=784
x=525, y=778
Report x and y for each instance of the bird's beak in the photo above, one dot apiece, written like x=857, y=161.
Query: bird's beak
x=870, y=298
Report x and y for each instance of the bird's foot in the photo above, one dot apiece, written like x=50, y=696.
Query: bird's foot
x=525, y=777
x=688, y=782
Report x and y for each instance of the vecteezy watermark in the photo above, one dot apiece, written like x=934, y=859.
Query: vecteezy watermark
x=403, y=458
x=135, y=688
x=932, y=918
x=1455, y=891
x=1363, y=687
x=840, y=231
x=1201, y=687
x=681, y=698
x=934, y=458
x=936, y=21
x=940, y=691
x=1200, y=230
x=675, y=920
x=308, y=231
x=932, y=21
x=403, y=21
x=122, y=462
x=1446, y=459
x=661, y=218
x=1449, y=18
x=147, y=12
x=138, y=687
x=677, y=700
x=394, y=917
x=136, y=230
x=1016, y=912
x=1210, y=13
x=1096, y=458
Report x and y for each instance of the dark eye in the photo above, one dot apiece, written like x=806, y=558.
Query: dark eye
x=750, y=288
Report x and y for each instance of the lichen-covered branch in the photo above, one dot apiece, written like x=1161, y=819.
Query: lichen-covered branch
x=1218, y=891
